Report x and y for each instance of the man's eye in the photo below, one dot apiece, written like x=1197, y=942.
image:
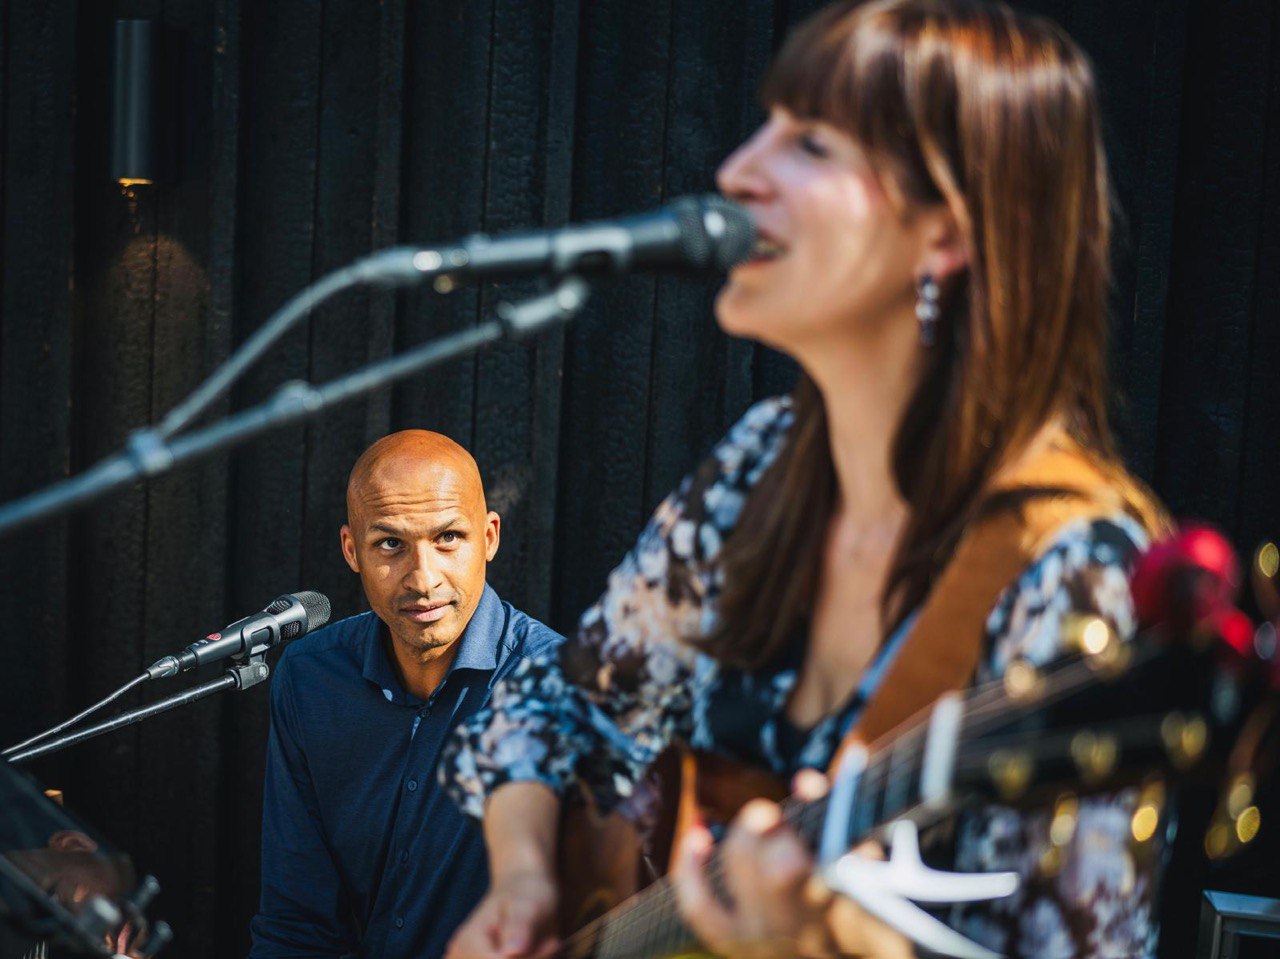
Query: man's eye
x=389, y=543
x=449, y=536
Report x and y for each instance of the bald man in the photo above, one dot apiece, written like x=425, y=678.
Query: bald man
x=362, y=854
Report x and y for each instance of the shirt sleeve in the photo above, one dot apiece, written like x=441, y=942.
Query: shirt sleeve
x=1091, y=897
x=603, y=706
x=303, y=911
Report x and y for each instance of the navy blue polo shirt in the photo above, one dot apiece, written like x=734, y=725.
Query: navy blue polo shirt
x=362, y=852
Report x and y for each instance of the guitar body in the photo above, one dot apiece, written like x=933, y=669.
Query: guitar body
x=604, y=859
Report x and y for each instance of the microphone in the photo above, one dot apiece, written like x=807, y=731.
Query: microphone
x=692, y=233
x=288, y=617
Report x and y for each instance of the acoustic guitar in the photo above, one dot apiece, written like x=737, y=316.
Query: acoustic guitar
x=1147, y=713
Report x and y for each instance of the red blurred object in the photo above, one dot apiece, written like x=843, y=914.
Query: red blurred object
x=1189, y=582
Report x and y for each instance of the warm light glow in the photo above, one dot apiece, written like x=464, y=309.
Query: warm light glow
x=1218, y=841
x=1248, y=824
x=1145, y=819
x=1095, y=637
x=1269, y=560
x=1021, y=679
x=1240, y=796
x=1066, y=814
x=130, y=181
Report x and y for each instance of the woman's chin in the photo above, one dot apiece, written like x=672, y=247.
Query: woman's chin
x=734, y=313
x=738, y=318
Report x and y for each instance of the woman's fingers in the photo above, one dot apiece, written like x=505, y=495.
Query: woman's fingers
x=711, y=921
x=809, y=785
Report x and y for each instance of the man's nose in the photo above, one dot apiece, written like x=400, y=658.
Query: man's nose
x=426, y=572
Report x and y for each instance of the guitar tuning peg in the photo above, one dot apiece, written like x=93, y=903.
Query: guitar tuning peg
x=1010, y=771
x=1266, y=588
x=1066, y=816
x=1095, y=755
x=1236, y=822
x=1146, y=815
x=1022, y=681
x=1185, y=738
x=1239, y=795
x=1094, y=638
x=161, y=936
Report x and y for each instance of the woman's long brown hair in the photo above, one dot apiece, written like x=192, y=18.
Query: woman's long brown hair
x=993, y=113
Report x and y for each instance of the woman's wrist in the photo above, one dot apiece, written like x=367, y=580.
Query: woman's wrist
x=521, y=821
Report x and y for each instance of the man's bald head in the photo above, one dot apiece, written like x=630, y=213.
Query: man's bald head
x=420, y=535
x=413, y=459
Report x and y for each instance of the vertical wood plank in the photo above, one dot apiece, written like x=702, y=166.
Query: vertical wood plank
x=36, y=355
x=1212, y=271
x=346, y=157
x=447, y=78
x=280, y=75
x=516, y=395
x=540, y=568
x=186, y=542
x=625, y=59
x=709, y=81
x=1258, y=515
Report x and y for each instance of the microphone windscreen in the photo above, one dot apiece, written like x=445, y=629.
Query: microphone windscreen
x=316, y=606
x=714, y=232
x=739, y=237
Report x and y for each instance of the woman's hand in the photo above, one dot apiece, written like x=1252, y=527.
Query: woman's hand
x=778, y=908
x=518, y=915
x=516, y=918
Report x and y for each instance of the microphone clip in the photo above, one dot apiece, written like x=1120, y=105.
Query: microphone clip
x=249, y=669
x=560, y=304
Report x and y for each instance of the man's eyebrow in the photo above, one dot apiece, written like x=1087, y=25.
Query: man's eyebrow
x=458, y=520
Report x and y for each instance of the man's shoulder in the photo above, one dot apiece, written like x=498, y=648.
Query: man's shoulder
x=526, y=636
x=339, y=645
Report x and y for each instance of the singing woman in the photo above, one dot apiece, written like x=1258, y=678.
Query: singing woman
x=932, y=200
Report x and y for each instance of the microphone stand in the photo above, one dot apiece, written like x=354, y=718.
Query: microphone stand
x=151, y=452
x=246, y=670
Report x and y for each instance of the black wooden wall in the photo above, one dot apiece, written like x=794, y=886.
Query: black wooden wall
x=314, y=130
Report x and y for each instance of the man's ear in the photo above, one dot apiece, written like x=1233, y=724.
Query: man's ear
x=349, y=548
x=492, y=534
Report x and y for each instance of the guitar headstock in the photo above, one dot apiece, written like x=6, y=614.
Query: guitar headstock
x=1188, y=697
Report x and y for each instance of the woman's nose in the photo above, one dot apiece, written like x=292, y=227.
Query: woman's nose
x=742, y=175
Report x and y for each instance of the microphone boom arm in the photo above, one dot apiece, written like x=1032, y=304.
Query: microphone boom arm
x=249, y=671
x=149, y=453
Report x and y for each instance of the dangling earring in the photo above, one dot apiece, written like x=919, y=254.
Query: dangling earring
x=928, y=309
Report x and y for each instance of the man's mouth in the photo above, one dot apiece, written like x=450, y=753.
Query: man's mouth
x=425, y=612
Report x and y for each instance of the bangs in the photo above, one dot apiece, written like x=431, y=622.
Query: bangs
x=848, y=66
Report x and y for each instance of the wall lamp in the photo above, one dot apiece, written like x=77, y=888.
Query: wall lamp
x=141, y=105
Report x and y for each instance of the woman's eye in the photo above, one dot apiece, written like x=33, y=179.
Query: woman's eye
x=811, y=145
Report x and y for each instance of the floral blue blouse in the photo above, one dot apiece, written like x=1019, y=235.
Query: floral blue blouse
x=609, y=701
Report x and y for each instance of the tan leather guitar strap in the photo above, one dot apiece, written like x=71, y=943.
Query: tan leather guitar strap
x=941, y=652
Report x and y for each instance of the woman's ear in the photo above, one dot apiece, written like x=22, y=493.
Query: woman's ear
x=946, y=253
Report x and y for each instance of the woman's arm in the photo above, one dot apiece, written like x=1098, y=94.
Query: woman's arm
x=517, y=917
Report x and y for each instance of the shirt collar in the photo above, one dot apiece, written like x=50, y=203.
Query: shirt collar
x=478, y=647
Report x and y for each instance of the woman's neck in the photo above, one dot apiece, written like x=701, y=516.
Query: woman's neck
x=865, y=389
